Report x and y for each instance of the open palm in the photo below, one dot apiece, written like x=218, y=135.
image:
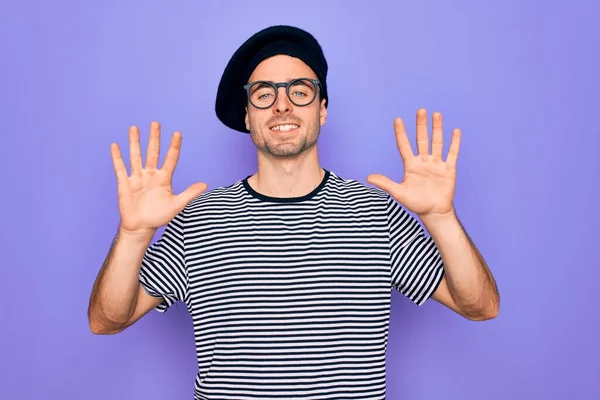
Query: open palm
x=146, y=198
x=429, y=181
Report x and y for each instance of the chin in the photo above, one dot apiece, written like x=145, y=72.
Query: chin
x=284, y=150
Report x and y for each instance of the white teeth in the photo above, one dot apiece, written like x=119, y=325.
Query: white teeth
x=284, y=128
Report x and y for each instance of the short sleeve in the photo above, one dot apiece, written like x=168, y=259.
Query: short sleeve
x=163, y=271
x=416, y=263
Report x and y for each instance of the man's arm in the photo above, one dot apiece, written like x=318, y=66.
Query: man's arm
x=117, y=299
x=468, y=287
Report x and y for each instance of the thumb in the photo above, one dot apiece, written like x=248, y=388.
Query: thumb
x=382, y=182
x=387, y=185
x=190, y=194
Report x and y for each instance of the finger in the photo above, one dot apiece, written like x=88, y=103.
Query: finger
x=437, y=139
x=454, y=148
x=118, y=164
x=402, y=140
x=190, y=194
x=422, y=135
x=153, y=146
x=135, y=154
x=172, y=156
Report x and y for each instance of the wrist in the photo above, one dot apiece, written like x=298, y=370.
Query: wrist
x=438, y=220
x=137, y=236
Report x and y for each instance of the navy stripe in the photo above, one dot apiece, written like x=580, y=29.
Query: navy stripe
x=290, y=298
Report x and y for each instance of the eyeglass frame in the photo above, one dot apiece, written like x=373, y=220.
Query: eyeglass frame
x=286, y=85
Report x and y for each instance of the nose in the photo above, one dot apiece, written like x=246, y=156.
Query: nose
x=283, y=104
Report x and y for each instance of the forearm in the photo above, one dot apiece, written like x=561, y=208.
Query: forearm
x=470, y=281
x=114, y=294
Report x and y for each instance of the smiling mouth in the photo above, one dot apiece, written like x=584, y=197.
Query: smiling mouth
x=284, y=127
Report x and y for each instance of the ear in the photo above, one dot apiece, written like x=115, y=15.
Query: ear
x=323, y=112
x=246, y=119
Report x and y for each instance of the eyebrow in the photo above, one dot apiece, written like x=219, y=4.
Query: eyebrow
x=260, y=85
x=300, y=83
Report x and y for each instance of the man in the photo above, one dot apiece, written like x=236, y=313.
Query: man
x=287, y=273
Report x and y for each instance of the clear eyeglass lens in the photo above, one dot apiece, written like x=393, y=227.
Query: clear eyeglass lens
x=302, y=92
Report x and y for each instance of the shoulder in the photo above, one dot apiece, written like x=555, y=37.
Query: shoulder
x=353, y=188
x=216, y=199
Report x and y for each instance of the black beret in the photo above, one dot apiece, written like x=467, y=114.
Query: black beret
x=280, y=39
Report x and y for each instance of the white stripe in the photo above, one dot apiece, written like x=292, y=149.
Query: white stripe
x=292, y=298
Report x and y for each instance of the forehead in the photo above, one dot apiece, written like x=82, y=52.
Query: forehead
x=281, y=68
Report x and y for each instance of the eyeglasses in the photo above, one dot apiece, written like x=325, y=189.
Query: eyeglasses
x=301, y=92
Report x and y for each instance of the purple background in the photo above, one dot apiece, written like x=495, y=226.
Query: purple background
x=520, y=78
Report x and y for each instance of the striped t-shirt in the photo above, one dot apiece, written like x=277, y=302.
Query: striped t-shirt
x=290, y=297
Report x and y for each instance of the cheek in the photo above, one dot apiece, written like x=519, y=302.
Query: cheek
x=255, y=119
x=257, y=126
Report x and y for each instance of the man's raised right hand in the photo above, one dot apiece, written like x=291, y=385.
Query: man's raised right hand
x=146, y=199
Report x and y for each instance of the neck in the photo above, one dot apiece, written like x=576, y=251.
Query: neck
x=287, y=177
